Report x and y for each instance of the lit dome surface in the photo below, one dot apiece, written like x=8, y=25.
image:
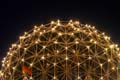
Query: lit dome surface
x=62, y=51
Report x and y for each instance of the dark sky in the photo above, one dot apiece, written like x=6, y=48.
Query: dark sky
x=17, y=16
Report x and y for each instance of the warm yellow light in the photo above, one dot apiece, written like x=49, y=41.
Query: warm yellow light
x=43, y=57
x=111, y=46
x=25, y=49
x=52, y=22
x=113, y=68
x=78, y=64
x=66, y=58
x=13, y=68
x=93, y=27
x=8, y=65
x=76, y=42
x=106, y=49
x=89, y=57
x=71, y=21
x=66, y=48
x=91, y=40
x=54, y=77
x=44, y=47
x=101, y=64
x=72, y=34
x=55, y=42
x=109, y=60
x=119, y=54
x=8, y=53
x=78, y=77
x=90, y=33
x=88, y=47
x=95, y=42
x=22, y=37
x=14, y=45
x=78, y=29
x=35, y=27
x=25, y=33
x=22, y=60
x=116, y=45
x=1, y=74
x=59, y=34
x=54, y=64
x=31, y=64
x=31, y=78
x=103, y=33
x=11, y=54
x=42, y=25
x=86, y=25
x=57, y=51
x=41, y=33
x=73, y=51
x=19, y=46
x=3, y=65
x=101, y=77
x=118, y=49
x=53, y=29
x=36, y=42
x=105, y=37
x=95, y=31
x=58, y=22
x=77, y=22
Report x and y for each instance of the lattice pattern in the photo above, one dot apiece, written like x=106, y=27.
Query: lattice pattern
x=62, y=51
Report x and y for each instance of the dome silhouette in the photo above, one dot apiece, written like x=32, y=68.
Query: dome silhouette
x=62, y=51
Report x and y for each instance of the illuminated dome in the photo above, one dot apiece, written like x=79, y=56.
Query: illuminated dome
x=62, y=51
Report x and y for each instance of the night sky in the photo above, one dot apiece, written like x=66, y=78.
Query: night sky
x=17, y=16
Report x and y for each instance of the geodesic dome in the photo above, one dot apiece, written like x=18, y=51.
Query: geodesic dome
x=62, y=51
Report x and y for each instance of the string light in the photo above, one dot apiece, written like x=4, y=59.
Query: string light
x=66, y=58
x=52, y=47
x=55, y=42
x=113, y=68
x=66, y=48
x=77, y=22
x=76, y=42
x=53, y=29
x=78, y=77
x=111, y=46
x=43, y=57
x=13, y=68
x=59, y=34
x=58, y=22
x=54, y=77
x=101, y=64
x=14, y=45
x=22, y=37
x=44, y=47
x=89, y=57
x=54, y=64
x=101, y=77
x=109, y=60
x=22, y=60
x=72, y=34
x=19, y=46
x=78, y=64
x=88, y=47
x=31, y=64
x=52, y=22
x=36, y=42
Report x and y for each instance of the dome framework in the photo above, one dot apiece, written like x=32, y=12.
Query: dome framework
x=62, y=51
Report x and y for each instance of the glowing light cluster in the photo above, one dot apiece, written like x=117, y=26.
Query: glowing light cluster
x=63, y=51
